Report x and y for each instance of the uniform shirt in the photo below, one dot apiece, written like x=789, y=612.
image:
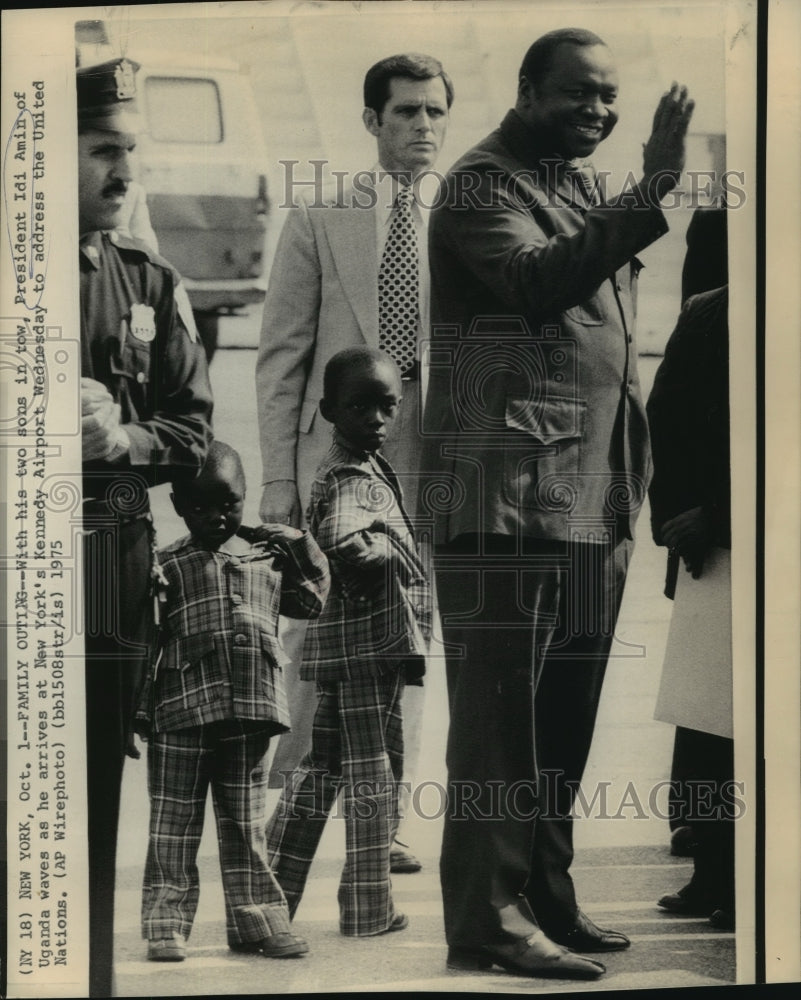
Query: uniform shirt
x=138, y=339
x=378, y=614
x=219, y=652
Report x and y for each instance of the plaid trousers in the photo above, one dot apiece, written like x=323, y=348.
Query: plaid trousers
x=357, y=745
x=229, y=756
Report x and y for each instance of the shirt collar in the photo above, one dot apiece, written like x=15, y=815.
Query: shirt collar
x=91, y=247
x=386, y=186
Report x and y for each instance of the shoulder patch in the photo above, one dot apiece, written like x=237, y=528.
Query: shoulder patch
x=124, y=242
x=185, y=311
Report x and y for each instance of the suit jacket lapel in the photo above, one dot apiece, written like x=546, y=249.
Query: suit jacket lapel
x=351, y=234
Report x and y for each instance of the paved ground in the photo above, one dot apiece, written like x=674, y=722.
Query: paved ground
x=622, y=864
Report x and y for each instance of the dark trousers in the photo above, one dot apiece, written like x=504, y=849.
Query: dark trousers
x=118, y=631
x=528, y=629
x=702, y=776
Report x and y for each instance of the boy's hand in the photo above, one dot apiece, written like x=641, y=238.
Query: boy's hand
x=131, y=749
x=364, y=550
x=373, y=549
x=274, y=533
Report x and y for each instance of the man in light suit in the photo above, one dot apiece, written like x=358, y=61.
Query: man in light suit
x=536, y=429
x=323, y=297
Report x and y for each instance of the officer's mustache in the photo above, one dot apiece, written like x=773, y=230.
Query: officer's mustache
x=115, y=187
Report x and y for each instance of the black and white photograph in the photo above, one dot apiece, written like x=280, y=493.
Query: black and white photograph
x=420, y=418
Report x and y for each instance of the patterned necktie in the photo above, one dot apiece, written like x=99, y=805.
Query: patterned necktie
x=398, y=286
x=583, y=180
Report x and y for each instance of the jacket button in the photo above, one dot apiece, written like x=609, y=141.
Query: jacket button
x=140, y=377
x=236, y=598
x=240, y=640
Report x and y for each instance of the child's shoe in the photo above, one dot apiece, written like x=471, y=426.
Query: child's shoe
x=282, y=945
x=171, y=949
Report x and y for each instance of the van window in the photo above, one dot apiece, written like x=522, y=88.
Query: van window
x=181, y=109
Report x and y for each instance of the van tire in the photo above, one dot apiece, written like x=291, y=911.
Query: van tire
x=208, y=328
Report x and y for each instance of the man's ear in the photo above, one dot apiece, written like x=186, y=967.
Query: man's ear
x=525, y=92
x=371, y=122
x=325, y=409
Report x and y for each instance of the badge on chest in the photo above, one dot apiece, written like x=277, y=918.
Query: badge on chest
x=142, y=322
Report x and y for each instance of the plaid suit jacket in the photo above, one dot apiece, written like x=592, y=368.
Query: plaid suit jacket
x=378, y=613
x=219, y=654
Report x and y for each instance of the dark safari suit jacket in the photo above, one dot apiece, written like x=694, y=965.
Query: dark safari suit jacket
x=534, y=417
x=220, y=656
x=378, y=613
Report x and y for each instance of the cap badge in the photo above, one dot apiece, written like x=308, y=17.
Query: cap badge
x=125, y=79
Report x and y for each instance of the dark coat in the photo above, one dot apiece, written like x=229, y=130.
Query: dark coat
x=688, y=415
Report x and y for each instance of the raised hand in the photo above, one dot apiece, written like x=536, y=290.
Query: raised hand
x=664, y=153
x=274, y=533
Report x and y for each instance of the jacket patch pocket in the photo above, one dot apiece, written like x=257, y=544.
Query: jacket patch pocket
x=189, y=675
x=188, y=651
x=133, y=363
x=542, y=452
x=274, y=651
x=275, y=660
x=589, y=313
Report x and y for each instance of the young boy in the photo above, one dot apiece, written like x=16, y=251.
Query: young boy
x=215, y=699
x=371, y=637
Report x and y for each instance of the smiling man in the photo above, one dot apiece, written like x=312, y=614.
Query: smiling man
x=352, y=270
x=146, y=419
x=535, y=427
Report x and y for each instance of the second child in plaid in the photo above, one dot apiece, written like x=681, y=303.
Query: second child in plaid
x=370, y=639
x=215, y=699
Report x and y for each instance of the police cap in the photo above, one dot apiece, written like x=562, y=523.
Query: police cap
x=107, y=96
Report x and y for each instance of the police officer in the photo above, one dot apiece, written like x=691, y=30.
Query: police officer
x=146, y=418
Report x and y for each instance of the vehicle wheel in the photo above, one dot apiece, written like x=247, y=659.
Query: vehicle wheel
x=208, y=327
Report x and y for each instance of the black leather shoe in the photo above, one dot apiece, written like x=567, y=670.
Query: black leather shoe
x=688, y=902
x=587, y=936
x=723, y=920
x=536, y=956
